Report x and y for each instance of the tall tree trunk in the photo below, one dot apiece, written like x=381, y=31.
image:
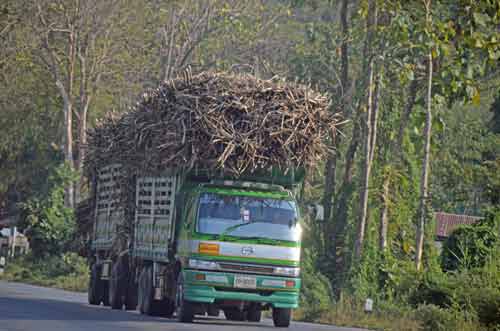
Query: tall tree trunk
x=85, y=98
x=395, y=154
x=384, y=214
x=82, y=142
x=330, y=183
x=405, y=117
x=374, y=119
x=68, y=150
x=345, y=192
x=67, y=94
x=365, y=178
x=422, y=209
x=331, y=163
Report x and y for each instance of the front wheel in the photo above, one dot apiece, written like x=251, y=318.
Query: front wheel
x=282, y=317
x=213, y=311
x=184, y=309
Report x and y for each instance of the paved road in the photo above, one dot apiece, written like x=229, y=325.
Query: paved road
x=25, y=308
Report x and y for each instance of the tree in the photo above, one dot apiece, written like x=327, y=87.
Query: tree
x=29, y=124
x=495, y=109
x=49, y=224
x=343, y=91
x=77, y=42
x=424, y=180
x=369, y=125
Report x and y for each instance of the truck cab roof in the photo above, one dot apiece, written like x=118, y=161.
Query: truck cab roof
x=247, y=190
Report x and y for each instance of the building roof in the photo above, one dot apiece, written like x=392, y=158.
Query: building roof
x=446, y=222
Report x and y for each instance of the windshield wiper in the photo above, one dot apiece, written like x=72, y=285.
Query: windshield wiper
x=232, y=228
x=262, y=240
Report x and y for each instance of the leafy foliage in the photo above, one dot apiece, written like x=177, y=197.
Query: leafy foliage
x=68, y=271
x=316, y=291
x=48, y=224
x=471, y=246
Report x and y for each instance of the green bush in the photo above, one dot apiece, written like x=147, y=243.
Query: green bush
x=48, y=224
x=68, y=271
x=435, y=318
x=435, y=289
x=486, y=303
x=470, y=246
x=316, y=292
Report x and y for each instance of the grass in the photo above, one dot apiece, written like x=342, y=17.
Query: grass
x=388, y=317
x=348, y=313
x=67, y=272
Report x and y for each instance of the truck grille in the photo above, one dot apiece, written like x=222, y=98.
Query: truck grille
x=246, y=268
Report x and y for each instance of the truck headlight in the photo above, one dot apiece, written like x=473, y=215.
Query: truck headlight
x=200, y=264
x=285, y=271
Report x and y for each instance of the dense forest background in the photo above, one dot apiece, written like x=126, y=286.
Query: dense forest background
x=415, y=81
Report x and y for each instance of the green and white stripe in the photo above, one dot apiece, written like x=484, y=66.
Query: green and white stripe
x=244, y=250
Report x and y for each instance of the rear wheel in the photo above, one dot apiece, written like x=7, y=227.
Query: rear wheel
x=105, y=293
x=184, y=309
x=94, y=290
x=146, y=302
x=146, y=290
x=131, y=296
x=282, y=317
x=233, y=314
x=117, y=284
x=254, y=314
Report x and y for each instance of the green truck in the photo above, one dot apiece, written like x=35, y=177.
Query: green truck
x=196, y=244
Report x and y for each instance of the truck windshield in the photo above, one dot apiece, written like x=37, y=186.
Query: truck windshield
x=243, y=216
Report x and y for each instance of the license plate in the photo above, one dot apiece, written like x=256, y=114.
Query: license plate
x=245, y=281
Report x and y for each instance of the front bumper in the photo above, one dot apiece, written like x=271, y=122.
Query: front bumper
x=219, y=286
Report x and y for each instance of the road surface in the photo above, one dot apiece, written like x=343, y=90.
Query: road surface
x=25, y=308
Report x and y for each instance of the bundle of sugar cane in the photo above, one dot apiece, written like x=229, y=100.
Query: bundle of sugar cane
x=229, y=122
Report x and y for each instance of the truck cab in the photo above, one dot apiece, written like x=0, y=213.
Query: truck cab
x=239, y=251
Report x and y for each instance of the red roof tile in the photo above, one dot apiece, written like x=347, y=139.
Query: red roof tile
x=446, y=223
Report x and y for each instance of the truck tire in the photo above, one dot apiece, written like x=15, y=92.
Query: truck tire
x=254, y=314
x=146, y=290
x=282, y=317
x=105, y=292
x=145, y=301
x=167, y=308
x=94, y=290
x=212, y=310
x=117, y=284
x=184, y=309
x=234, y=314
x=131, y=298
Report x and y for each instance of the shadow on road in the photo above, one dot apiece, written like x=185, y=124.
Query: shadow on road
x=31, y=309
x=48, y=309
